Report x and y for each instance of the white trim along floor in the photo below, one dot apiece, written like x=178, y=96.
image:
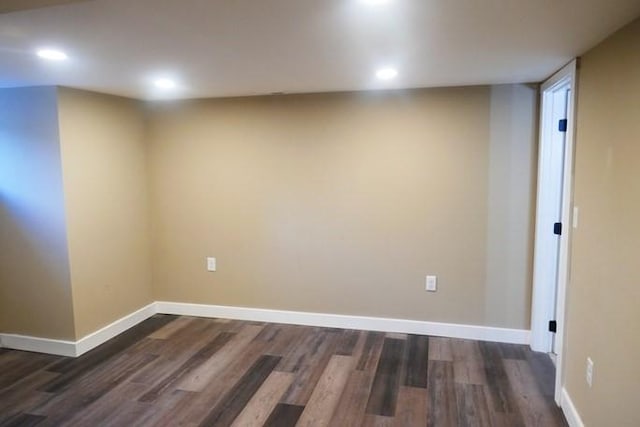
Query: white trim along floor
x=77, y=348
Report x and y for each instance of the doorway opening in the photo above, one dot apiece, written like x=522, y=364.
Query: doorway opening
x=553, y=216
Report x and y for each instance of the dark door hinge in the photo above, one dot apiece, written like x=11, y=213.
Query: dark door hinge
x=557, y=228
x=562, y=125
x=553, y=326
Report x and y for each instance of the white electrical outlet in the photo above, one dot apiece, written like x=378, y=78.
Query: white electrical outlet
x=431, y=284
x=576, y=214
x=211, y=264
x=589, y=371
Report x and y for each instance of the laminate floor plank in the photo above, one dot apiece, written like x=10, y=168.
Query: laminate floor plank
x=283, y=339
x=257, y=410
x=378, y=421
x=371, y=351
x=465, y=350
x=187, y=371
x=172, y=327
x=544, y=371
x=324, y=399
x=177, y=350
x=309, y=366
x=469, y=372
x=241, y=393
x=384, y=392
x=536, y=410
x=347, y=342
x=24, y=420
x=412, y=407
x=440, y=349
x=72, y=369
x=64, y=406
x=499, y=389
x=396, y=335
x=187, y=366
x=115, y=407
x=473, y=409
x=442, y=408
x=416, y=370
x=199, y=405
x=512, y=351
x=23, y=395
x=235, y=326
x=306, y=347
x=21, y=365
x=167, y=410
x=203, y=374
x=352, y=404
x=284, y=415
x=468, y=364
x=503, y=419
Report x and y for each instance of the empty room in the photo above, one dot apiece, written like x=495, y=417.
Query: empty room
x=320, y=213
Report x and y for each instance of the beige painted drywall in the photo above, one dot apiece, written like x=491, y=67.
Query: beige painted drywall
x=35, y=288
x=335, y=203
x=604, y=292
x=511, y=205
x=342, y=203
x=105, y=188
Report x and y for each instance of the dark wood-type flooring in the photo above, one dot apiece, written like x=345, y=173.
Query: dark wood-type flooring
x=171, y=371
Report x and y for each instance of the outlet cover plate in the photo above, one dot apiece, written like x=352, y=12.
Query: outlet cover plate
x=431, y=284
x=211, y=264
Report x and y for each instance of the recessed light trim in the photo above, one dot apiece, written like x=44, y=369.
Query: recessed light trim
x=165, y=83
x=387, y=73
x=51, y=54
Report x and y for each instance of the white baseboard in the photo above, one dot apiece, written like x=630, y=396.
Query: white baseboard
x=83, y=345
x=103, y=335
x=38, y=345
x=93, y=340
x=569, y=410
x=481, y=333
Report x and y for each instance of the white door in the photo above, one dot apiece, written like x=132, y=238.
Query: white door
x=555, y=183
x=552, y=197
x=549, y=214
x=549, y=207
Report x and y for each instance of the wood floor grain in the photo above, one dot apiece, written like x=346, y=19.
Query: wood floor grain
x=257, y=411
x=237, y=398
x=384, y=392
x=172, y=370
x=327, y=392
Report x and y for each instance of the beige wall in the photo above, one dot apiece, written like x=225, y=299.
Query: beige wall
x=342, y=203
x=35, y=289
x=511, y=205
x=336, y=203
x=604, y=293
x=104, y=169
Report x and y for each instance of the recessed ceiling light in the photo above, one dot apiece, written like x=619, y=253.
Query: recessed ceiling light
x=164, y=83
x=387, y=73
x=52, y=54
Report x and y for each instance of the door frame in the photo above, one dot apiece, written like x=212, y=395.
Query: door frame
x=540, y=306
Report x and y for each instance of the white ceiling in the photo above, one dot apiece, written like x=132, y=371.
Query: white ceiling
x=247, y=47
